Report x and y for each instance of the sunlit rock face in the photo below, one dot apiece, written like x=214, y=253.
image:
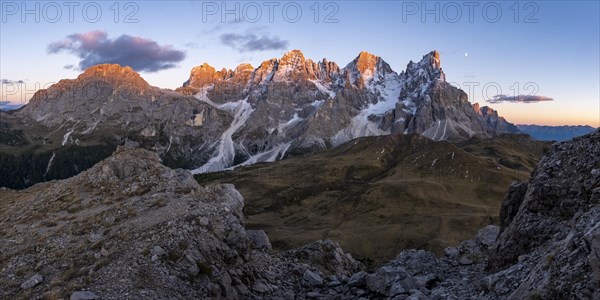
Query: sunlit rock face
x=301, y=105
x=287, y=105
x=494, y=122
x=109, y=104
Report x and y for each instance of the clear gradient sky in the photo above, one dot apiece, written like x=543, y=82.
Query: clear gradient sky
x=543, y=48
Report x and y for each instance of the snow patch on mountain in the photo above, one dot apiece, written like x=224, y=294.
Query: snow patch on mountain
x=359, y=126
x=323, y=88
x=389, y=93
x=49, y=164
x=225, y=155
x=92, y=127
x=66, y=136
x=409, y=106
x=317, y=103
x=275, y=153
x=293, y=121
x=241, y=111
x=387, y=87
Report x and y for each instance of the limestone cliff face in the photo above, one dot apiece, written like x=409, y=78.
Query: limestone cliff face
x=493, y=122
x=111, y=104
x=300, y=105
x=287, y=105
x=555, y=231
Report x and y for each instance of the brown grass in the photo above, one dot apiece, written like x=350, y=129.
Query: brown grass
x=375, y=204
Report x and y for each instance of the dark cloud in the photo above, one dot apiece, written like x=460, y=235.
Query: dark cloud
x=519, y=98
x=70, y=67
x=8, y=81
x=250, y=42
x=96, y=47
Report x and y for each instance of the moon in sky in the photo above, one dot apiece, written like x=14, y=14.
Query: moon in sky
x=466, y=54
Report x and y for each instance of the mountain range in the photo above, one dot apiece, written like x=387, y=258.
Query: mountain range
x=555, y=133
x=379, y=162
x=221, y=119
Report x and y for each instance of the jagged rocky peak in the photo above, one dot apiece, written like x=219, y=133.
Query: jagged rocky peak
x=206, y=74
x=94, y=85
x=113, y=73
x=293, y=57
x=429, y=67
x=264, y=72
x=243, y=68
x=243, y=71
x=292, y=66
x=329, y=68
x=484, y=110
x=204, y=70
x=431, y=60
x=435, y=59
x=493, y=122
x=366, y=62
x=107, y=70
x=366, y=66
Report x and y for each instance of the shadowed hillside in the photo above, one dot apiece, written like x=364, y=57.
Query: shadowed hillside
x=378, y=195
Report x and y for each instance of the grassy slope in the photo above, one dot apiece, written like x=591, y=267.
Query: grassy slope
x=378, y=195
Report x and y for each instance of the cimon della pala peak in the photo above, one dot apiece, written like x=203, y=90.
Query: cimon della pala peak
x=224, y=118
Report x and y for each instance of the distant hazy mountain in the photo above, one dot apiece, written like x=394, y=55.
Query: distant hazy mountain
x=6, y=105
x=555, y=133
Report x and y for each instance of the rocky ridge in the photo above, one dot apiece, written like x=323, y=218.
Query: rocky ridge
x=109, y=105
x=224, y=118
x=494, y=122
x=299, y=105
x=130, y=227
x=555, y=133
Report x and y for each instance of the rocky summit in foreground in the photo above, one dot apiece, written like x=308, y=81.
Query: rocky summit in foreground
x=130, y=228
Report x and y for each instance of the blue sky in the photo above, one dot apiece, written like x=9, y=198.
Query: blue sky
x=546, y=48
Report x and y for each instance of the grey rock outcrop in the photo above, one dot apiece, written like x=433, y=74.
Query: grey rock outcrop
x=33, y=281
x=494, y=123
x=298, y=105
x=84, y=295
x=130, y=227
x=554, y=233
x=512, y=202
x=259, y=239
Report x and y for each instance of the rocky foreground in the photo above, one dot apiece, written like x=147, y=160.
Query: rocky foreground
x=131, y=228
